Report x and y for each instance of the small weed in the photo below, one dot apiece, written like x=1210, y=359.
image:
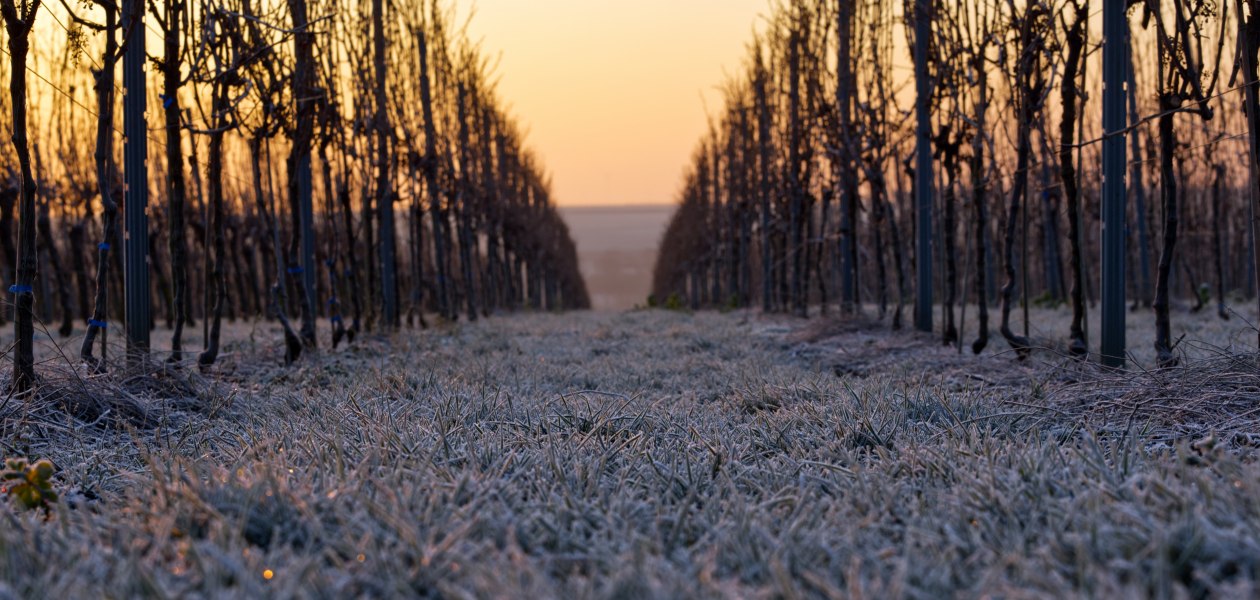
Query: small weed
x=674, y=302
x=29, y=484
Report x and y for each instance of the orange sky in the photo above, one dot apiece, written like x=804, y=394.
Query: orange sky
x=611, y=91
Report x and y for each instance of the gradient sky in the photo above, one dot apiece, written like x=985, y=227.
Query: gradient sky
x=613, y=92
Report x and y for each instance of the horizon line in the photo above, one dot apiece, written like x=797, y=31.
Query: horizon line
x=615, y=205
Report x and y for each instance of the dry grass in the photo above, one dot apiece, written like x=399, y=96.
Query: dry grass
x=646, y=454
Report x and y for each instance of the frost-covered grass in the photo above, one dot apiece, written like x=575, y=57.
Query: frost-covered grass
x=644, y=454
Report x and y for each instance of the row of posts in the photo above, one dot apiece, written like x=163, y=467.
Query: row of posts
x=1112, y=342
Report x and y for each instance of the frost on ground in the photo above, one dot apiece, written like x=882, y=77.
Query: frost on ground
x=645, y=454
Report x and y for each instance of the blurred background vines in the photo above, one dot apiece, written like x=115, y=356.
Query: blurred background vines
x=307, y=161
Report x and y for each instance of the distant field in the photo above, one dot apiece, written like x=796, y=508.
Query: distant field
x=617, y=249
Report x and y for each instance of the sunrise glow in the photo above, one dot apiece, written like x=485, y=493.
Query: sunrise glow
x=614, y=94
